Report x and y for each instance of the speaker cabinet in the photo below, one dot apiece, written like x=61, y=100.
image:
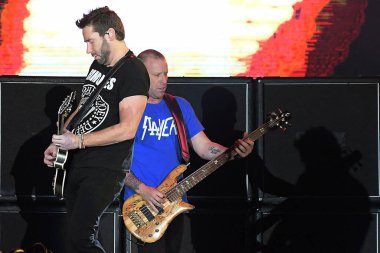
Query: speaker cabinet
x=220, y=225
x=288, y=231
x=23, y=225
x=224, y=102
x=328, y=158
x=225, y=106
x=29, y=107
x=324, y=166
x=29, y=112
x=329, y=116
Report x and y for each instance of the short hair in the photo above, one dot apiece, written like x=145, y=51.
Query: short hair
x=150, y=53
x=101, y=19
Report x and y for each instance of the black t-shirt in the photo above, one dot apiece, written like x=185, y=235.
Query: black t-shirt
x=131, y=79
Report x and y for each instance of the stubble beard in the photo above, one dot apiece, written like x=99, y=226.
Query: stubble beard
x=104, y=53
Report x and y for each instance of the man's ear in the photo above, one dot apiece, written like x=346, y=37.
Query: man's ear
x=111, y=33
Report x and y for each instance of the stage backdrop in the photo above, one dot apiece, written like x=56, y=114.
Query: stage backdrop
x=314, y=182
x=320, y=182
x=211, y=38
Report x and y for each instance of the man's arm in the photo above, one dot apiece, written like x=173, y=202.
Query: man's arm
x=208, y=149
x=151, y=195
x=204, y=147
x=132, y=182
x=130, y=112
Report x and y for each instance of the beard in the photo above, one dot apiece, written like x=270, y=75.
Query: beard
x=104, y=53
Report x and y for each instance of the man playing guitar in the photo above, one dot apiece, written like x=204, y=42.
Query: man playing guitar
x=157, y=151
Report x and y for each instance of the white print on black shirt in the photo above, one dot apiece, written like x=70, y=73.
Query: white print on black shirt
x=162, y=128
x=99, y=111
x=96, y=77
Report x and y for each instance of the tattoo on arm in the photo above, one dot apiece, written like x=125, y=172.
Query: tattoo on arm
x=214, y=150
x=131, y=181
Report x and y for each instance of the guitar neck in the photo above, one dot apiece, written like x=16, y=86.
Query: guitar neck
x=60, y=124
x=197, y=176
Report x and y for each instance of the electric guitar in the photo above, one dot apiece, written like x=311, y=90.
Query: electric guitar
x=60, y=160
x=148, y=225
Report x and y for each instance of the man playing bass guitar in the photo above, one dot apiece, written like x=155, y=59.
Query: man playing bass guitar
x=157, y=150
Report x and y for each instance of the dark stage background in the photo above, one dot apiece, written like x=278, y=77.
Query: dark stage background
x=312, y=188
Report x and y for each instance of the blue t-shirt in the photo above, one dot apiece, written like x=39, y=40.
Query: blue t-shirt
x=156, y=150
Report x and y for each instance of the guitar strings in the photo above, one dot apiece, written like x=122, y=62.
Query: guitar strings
x=186, y=184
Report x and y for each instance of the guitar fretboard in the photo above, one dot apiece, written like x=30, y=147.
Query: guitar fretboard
x=197, y=176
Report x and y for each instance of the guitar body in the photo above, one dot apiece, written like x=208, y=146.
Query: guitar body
x=60, y=173
x=146, y=224
x=61, y=159
x=59, y=182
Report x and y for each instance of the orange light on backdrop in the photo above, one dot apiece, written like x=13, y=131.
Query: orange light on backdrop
x=12, y=31
x=199, y=37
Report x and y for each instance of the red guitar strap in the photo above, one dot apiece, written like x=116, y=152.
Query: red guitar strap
x=178, y=119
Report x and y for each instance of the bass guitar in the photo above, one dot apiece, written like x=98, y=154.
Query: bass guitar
x=148, y=225
x=62, y=154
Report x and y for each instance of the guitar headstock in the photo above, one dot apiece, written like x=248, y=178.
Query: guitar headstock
x=66, y=105
x=279, y=119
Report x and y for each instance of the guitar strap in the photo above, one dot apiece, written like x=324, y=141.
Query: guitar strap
x=87, y=105
x=178, y=119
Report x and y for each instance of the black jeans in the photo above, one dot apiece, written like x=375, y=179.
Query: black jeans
x=88, y=193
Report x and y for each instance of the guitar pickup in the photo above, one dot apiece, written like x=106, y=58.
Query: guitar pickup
x=160, y=209
x=147, y=213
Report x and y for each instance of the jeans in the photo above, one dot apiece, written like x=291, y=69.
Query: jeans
x=89, y=192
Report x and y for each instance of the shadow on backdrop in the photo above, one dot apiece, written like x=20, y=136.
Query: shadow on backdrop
x=224, y=224
x=33, y=178
x=330, y=210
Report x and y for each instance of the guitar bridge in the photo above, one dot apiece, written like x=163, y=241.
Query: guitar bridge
x=135, y=218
